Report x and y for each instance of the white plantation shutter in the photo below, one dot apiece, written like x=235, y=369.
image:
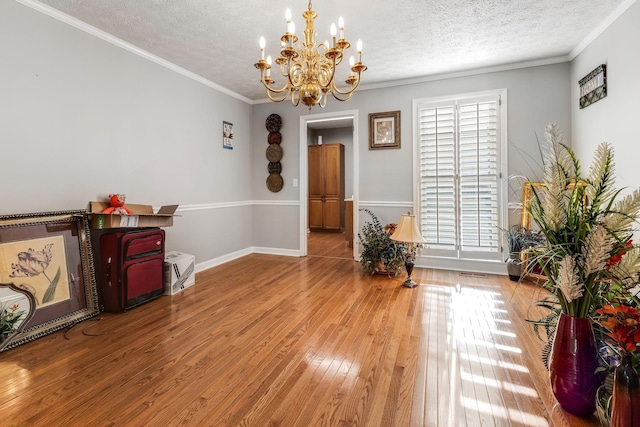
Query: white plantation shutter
x=459, y=152
x=438, y=167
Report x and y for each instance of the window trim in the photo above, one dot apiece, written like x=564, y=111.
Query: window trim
x=424, y=258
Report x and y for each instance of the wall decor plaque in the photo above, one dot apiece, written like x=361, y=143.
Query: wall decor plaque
x=274, y=153
x=275, y=182
x=274, y=138
x=593, y=87
x=275, y=167
x=273, y=123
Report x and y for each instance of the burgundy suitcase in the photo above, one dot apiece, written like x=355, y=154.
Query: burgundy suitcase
x=131, y=267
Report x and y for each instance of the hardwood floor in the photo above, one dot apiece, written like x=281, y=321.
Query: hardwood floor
x=282, y=341
x=328, y=244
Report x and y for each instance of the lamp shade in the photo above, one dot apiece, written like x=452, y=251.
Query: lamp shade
x=408, y=230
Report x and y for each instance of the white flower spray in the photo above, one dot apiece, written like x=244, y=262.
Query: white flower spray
x=567, y=280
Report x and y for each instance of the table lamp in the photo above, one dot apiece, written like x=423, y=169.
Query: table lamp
x=409, y=233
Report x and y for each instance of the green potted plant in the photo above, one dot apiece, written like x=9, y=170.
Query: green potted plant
x=380, y=254
x=519, y=239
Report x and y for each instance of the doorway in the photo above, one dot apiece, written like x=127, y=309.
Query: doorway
x=339, y=127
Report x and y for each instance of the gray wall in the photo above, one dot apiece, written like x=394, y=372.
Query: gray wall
x=612, y=119
x=81, y=118
x=536, y=96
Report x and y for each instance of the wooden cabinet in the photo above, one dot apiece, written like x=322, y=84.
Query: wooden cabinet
x=348, y=222
x=326, y=186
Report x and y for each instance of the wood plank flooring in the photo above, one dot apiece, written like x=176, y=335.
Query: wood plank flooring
x=281, y=341
x=328, y=244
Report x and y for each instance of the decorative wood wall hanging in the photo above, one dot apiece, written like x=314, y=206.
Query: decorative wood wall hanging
x=274, y=153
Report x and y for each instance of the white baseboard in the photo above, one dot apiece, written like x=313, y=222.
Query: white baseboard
x=205, y=265
x=421, y=262
x=276, y=251
x=222, y=259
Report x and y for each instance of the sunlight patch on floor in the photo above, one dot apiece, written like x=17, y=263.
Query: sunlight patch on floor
x=499, y=363
x=486, y=353
x=504, y=413
x=20, y=381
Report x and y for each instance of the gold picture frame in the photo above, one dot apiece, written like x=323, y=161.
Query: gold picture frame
x=50, y=256
x=384, y=130
x=531, y=272
x=534, y=273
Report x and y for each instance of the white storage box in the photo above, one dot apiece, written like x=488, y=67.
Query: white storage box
x=179, y=272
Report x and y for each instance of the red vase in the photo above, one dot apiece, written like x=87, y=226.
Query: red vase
x=625, y=402
x=572, y=365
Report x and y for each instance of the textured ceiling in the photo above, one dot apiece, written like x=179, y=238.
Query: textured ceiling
x=403, y=39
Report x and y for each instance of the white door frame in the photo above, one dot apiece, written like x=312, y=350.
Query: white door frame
x=304, y=184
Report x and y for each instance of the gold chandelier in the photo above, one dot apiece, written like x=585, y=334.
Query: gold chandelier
x=309, y=71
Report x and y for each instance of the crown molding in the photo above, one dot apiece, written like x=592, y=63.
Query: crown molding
x=597, y=31
x=83, y=26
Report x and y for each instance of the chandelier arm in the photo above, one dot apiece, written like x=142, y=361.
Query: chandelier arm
x=271, y=89
x=274, y=99
x=329, y=71
x=354, y=86
x=346, y=98
x=294, y=102
x=295, y=75
x=323, y=101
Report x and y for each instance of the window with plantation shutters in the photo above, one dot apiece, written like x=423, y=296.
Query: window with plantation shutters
x=459, y=151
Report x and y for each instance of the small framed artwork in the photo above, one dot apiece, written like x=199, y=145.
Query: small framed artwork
x=227, y=135
x=384, y=130
x=49, y=255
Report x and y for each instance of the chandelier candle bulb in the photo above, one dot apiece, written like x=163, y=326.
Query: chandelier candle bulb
x=341, y=25
x=333, y=32
x=262, y=45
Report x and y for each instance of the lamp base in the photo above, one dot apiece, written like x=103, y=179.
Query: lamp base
x=408, y=264
x=409, y=283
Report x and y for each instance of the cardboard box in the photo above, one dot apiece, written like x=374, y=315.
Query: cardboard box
x=179, y=272
x=142, y=216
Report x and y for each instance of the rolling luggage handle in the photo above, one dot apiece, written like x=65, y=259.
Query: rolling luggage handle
x=108, y=271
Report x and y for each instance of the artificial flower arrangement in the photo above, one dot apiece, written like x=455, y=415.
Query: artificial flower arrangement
x=380, y=254
x=619, y=396
x=9, y=318
x=585, y=225
x=623, y=325
x=587, y=253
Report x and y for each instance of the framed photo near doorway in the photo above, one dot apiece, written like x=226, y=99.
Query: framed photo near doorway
x=227, y=135
x=384, y=130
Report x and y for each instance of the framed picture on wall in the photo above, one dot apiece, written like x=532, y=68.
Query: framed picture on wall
x=384, y=130
x=227, y=135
